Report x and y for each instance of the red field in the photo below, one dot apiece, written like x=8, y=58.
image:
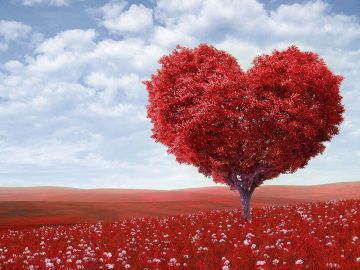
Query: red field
x=313, y=236
x=21, y=207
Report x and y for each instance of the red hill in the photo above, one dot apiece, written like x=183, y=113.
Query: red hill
x=58, y=205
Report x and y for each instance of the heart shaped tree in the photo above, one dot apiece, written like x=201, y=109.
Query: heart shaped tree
x=243, y=128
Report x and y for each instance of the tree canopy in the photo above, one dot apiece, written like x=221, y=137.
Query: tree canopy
x=242, y=128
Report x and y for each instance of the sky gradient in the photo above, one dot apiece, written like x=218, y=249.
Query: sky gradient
x=72, y=105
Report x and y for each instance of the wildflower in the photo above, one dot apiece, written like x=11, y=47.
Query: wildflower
x=249, y=235
x=48, y=263
x=299, y=262
x=108, y=254
x=247, y=242
x=260, y=263
x=333, y=265
x=172, y=262
x=275, y=261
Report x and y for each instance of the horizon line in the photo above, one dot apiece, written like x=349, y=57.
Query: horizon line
x=174, y=189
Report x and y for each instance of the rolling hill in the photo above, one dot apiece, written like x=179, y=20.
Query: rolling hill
x=29, y=206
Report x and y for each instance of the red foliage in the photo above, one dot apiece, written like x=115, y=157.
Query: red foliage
x=315, y=236
x=244, y=128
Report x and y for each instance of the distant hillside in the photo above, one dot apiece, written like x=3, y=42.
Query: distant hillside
x=56, y=205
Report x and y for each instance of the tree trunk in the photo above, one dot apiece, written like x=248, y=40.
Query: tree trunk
x=245, y=196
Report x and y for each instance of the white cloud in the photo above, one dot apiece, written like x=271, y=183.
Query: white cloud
x=311, y=23
x=73, y=86
x=129, y=84
x=12, y=31
x=212, y=20
x=136, y=19
x=58, y=3
x=241, y=50
x=73, y=41
x=55, y=153
x=315, y=24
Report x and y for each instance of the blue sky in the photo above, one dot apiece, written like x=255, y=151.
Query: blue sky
x=72, y=106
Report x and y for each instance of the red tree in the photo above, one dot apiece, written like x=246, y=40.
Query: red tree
x=243, y=128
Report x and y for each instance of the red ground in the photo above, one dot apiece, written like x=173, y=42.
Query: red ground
x=47, y=205
x=305, y=236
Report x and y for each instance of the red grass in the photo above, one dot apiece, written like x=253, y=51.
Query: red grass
x=302, y=236
x=22, y=207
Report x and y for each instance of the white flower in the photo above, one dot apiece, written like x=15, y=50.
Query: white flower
x=299, y=262
x=358, y=259
x=48, y=263
x=249, y=235
x=253, y=246
x=108, y=254
x=275, y=261
x=260, y=263
x=333, y=265
x=247, y=242
x=110, y=266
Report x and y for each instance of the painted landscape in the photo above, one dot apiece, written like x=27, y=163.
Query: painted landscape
x=179, y=135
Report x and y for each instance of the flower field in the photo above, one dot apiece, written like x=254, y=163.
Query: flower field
x=302, y=236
